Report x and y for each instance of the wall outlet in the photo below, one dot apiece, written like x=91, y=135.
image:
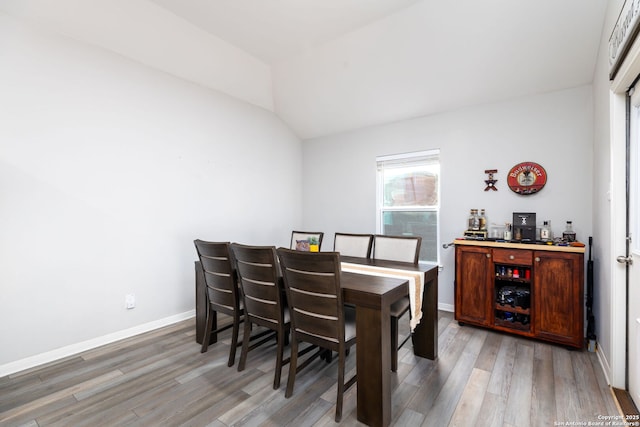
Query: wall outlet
x=130, y=301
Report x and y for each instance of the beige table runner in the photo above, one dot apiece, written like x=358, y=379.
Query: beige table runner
x=415, y=278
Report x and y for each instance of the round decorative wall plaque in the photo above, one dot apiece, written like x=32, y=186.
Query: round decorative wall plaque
x=526, y=178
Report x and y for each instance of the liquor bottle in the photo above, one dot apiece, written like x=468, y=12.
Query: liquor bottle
x=474, y=220
x=483, y=220
x=507, y=231
x=568, y=235
x=545, y=231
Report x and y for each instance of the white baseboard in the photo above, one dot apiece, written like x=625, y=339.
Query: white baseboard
x=604, y=364
x=445, y=307
x=70, y=350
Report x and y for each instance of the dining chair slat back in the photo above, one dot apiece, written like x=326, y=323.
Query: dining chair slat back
x=313, y=292
x=260, y=287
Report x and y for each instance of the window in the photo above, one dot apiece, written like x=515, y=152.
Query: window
x=408, y=201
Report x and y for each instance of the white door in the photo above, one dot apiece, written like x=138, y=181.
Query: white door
x=633, y=256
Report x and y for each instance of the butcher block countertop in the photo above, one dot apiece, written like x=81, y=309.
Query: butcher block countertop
x=515, y=245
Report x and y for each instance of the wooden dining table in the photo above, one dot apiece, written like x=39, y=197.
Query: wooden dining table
x=372, y=297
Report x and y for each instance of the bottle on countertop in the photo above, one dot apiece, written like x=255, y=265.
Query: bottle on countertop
x=568, y=235
x=474, y=220
x=483, y=220
x=545, y=232
x=507, y=231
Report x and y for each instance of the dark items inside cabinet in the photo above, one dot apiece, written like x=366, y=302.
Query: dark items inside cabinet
x=512, y=289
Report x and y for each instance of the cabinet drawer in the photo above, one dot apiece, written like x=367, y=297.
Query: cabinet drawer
x=512, y=256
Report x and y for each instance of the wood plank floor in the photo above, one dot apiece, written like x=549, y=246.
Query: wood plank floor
x=481, y=378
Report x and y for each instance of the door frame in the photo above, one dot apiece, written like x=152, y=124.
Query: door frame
x=624, y=79
x=633, y=271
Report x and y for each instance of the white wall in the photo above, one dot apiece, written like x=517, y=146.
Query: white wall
x=554, y=130
x=108, y=171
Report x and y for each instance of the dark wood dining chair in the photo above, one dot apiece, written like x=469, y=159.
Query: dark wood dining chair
x=350, y=244
x=305, y=235
x=264, y=300
x=318, y=315
x=401, y=249
x=223, y=295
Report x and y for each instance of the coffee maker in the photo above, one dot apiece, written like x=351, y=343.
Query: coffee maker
x=524, y=226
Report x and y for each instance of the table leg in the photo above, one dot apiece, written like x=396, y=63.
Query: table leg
x=425, y=335
x=373, y=366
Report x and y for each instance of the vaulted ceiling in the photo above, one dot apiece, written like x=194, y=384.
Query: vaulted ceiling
x=339, y=65
x=276, y=30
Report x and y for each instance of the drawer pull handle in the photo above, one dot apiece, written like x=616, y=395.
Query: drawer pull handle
x=511, y=257
x=537, y=259
x=488, y=255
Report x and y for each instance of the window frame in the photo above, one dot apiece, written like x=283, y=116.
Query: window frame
x=418, y=158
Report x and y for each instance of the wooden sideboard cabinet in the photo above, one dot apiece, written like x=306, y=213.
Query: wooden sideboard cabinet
x=526, y=289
